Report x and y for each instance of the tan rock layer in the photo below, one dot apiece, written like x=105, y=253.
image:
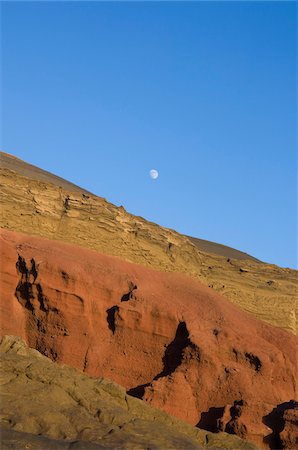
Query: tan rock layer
x=40, y=208
x=48, y=406
x=164, y=336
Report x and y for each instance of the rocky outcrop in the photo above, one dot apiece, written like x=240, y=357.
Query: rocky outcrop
x=56, y=407
x=283, y=421
x=165, y=337
x=61, y=211
x=289, y=434
x=230, y=421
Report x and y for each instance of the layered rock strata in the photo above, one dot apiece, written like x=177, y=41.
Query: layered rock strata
x=48, y=206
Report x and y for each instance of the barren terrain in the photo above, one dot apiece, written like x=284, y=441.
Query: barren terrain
x=62, y=212
x=165, y=337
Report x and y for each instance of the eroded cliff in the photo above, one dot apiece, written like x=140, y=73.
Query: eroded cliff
x=165, y=337
x=36, y=206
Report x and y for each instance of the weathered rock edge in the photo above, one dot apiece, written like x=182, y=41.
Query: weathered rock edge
x=55, y=402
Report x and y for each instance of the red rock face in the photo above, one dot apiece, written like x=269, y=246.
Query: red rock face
x=283, y=421
x=165, y=337
x=289, y=434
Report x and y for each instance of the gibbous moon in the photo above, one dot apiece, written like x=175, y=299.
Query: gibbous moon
x=153, y=174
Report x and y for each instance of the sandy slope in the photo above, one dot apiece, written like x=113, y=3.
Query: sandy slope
x=19, y=166
x=62, y=213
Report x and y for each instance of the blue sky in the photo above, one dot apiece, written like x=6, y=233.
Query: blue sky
x=205, y=92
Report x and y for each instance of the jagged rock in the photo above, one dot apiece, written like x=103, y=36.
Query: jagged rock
x=236, y=426
x=230, y=421
x=174, y=343
x=289, y=434
x=48, y=406
x=283, y=421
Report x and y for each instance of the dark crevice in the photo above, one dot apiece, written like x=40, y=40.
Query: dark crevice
x=138, y=391
x=41, y=299
x=236, y=354
x=236, y=409
x=21, y=267
x=111, y=312
x=50, y=352
x=26, y=272
x=172, y=358
x=254, y=361
x=33, y=270
x=174, y=352
x=25, y=295
x=218, y=419
x=86, y=359
x=65, y=276
x=276, y=422
x=126, y=297
x=209, y=420
x=130, y=294
x=27, y=290
x=66, y=204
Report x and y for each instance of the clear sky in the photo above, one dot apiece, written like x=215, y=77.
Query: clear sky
x=204, y=92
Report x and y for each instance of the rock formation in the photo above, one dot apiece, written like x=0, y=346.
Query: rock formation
x=89, y=285
x=289, y=434
x=52, y=407
x=283, y=421
x=165, y=337
x=42, y=204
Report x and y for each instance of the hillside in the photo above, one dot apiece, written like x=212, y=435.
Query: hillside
x=165, y=337
x=48, y=406
x=48, y=206
x=35, y=173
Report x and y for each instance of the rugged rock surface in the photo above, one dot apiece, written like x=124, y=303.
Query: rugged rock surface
x=36, y=206
x=289, y=433
x=283, y=421
x=165, y=337
x=56, y=407
x=19, y=166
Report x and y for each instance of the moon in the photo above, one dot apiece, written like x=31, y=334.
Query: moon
x=153, y=174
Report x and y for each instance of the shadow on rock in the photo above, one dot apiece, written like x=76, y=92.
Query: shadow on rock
x=275, y=420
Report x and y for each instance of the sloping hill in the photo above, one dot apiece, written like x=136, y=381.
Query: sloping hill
x=25, y=169
x=45, y=208
x=47, y=406
x=220, y=249
x=165, y=337
x=19, y=166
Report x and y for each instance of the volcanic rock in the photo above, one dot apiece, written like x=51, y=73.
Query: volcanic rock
x=165, y=337
x=42, y=204
x=283, y=421
x=56, y=407
x=289, y=434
